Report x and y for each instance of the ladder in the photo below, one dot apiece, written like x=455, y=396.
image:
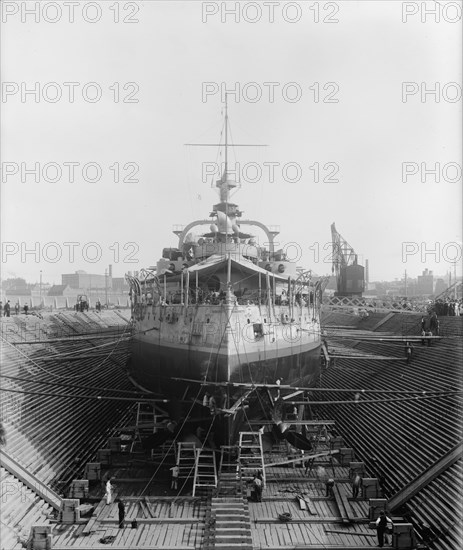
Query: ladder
x=250, y=455
x=205, y=470
x=146, y=422
x=186, y=459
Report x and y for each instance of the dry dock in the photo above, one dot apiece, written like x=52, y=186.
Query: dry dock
x=69, y=408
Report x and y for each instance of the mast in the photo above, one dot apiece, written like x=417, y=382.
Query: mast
x=225, y=171
x=226, y=142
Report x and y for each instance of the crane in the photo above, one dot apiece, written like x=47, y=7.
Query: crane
x=350, y=276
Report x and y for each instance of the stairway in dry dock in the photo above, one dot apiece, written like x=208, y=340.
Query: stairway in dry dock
x=231, y=526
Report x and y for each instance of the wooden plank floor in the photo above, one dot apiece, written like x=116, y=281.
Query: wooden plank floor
x=171, y=521
x=323, y=528
x=176, y=525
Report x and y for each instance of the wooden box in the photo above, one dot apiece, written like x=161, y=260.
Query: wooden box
x=356, y=468
x=104, y=457
x=79, y=488
x=114, y=444
x=375, y=507
x=41, y=538
x=336, y=443
x=69, y=510
x=371, y=488
x=403, y=536
x=345, y=456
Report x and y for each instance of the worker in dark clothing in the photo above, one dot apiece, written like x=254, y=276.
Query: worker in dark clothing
x=26, y=308
x=423, y=337
x=357, y=484
x=408, y=352
x=329, y=487
x=257, y=485
x=7, y=309
x=429, y=337
x=121, y=509
x=381, y=526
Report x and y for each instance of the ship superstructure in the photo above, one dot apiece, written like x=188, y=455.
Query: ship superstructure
x=220, y=308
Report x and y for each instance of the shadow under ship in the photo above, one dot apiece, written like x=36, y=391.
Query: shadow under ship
x=224, y=315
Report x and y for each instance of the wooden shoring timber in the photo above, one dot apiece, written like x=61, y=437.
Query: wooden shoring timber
x=239, y=401
x=76, y=338
x=295, y=388
x=301, y=458
x=292, y=395
x=372, y=357
x=352, y=336
x=182, y=520
x=339, y=532
x=343, y=504
x=155, y=499
x=327, y=519
x=294, y=422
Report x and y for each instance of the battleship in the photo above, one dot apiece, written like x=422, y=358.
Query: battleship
x=221, y=311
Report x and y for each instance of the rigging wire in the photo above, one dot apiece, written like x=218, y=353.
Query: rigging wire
x=116, y=344
x=314, y=389
x=64, y=384
x=86, y=396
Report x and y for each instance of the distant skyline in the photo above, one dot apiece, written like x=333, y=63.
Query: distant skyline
x=444, y=276
x=346, y=106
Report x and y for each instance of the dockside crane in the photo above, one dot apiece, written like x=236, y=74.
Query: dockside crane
x=350, y=276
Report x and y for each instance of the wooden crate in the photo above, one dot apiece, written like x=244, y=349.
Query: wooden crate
x=104, y=457
x=93, y=471
x=356, y=468
x=371, y=488
x=69, y=510
x=114, y=444
x=345, y=456
x=375, y=507
x=336, y=442
x=403, y=536
x=41, y=538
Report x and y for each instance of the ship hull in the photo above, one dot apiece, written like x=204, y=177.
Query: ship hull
x=170, y=372
x=160, y=368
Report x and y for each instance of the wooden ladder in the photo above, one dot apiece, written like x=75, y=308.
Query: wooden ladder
x=146, y=422
x=205, y=470
x=186, y=459
x=250, y=455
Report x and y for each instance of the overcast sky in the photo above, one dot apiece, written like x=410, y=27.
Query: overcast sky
x=340, y=111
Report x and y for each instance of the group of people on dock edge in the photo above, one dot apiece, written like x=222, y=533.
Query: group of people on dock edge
x=5, y=310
